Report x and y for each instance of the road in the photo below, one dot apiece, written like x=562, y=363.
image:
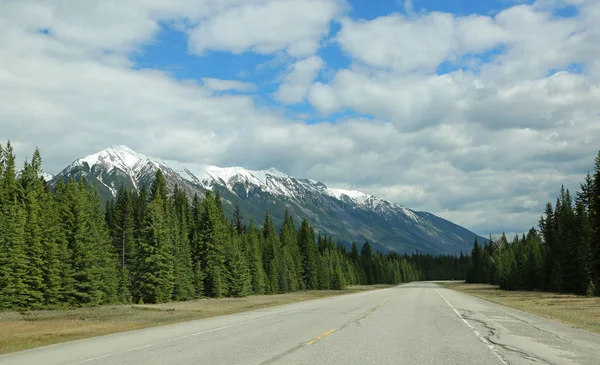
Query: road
x=417, y=324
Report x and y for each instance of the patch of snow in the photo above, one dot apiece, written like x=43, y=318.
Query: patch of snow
x=121, y=157
x=355, y=195
x=46, y=176
x=409, y=213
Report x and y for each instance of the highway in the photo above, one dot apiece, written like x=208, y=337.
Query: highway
x=418, y=324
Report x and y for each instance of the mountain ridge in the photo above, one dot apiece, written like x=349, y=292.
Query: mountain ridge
x=350, y=215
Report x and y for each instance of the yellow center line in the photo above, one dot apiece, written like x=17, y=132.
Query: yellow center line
x=366, y=313
x=321, y=336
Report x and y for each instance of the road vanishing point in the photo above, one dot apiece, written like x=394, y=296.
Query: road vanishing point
x=418, y=324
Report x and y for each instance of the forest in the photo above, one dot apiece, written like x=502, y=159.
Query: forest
x=562, y=256
x=61, y=246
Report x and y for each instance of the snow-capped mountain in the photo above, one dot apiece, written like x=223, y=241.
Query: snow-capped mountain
x=348, y=214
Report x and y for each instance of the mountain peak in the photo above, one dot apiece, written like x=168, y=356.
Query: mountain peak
x=351, y=215
x=118, y=156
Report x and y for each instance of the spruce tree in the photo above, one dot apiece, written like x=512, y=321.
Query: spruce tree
x=154, y=273
x=240, y=279
x=105, y=263
x=239, y=220
x=309, y=256
x=254, y=255
x=183, y=269
x=212, y=248
x=33, y=192
x=595, y=224
x=289, y=241
x=13, y=259
x=368, y=263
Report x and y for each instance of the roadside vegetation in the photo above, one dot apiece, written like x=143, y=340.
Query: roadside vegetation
x=579, y=311
x=562, y=257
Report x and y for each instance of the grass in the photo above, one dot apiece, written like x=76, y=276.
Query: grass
x=577, y=311
x=30, y=329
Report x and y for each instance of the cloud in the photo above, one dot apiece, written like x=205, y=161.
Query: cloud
x=267, y=27
x=224, y=85
x=295, y=86
x=485, y=144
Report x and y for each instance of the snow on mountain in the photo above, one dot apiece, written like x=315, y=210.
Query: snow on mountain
x=355, y=195
x=121, y=157
x=46, y=176
x=350, y=215
x=270, y=180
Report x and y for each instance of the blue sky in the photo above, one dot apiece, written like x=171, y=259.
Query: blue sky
x=477, y=111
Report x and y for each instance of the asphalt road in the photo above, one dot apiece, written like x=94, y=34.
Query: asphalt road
x=417, y=324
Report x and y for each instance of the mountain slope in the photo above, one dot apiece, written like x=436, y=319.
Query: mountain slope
x=345, y=214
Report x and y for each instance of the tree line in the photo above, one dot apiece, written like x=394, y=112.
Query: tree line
x=61, y=246
x=562, y=256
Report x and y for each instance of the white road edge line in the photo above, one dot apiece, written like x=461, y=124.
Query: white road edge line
x=95, y=358
x=486, y=342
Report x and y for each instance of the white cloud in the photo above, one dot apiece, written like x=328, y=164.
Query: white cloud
x=267, y=27
x=295, y=86
x=397, y=42
x=223, y=85
x=486, y=149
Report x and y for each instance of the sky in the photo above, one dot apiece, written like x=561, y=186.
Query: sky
x=477, y=111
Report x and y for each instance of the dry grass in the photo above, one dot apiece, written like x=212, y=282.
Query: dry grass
x=573, y=310
x=25, y=330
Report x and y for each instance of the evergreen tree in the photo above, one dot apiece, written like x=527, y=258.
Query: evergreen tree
x=33, y=192
x=368, y=263
x=595, y=223
x=291, y=253
x=254, y=256
x=309, y=256
x=239, y=220
x=13, y=260
x=240, y=279
x=183, y=267
x=272, y=257
x=105, y=263
x=212, y=248
x=155, y=276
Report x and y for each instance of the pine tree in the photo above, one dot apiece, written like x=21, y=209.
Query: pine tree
x=272, y=258
x=183, y=269
x=289, y=241
x=54, y=242
x=368, y=263
x=239, y=220
x=33, y=191
x=240, y=279
x=13, y=260
x=154, y=274
x=324, y=270
x=595, y=223
x=213, y=243
x=105, y=263
x=309, y=256
x=254, y=255
x=196, y=246
x=123, y=231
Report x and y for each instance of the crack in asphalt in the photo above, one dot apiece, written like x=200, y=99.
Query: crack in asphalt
x=492, y=333
x=536, y=327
